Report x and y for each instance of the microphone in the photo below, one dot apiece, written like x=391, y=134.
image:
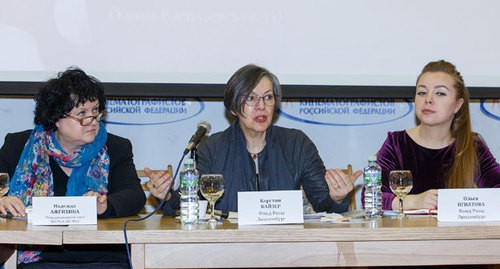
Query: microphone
x=204, y=128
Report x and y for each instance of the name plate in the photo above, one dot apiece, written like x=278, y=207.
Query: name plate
x=64, y=210
x=270, y=207
x=468, y=205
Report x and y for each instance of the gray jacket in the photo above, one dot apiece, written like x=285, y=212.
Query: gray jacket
x=289, y=160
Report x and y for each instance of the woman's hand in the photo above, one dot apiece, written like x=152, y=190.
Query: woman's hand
x=427, y=200
x=339, y=183
x=13, y=205
x=102, y=201
x=158, y=183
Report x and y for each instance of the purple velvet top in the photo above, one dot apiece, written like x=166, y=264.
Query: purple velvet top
x=429, y=166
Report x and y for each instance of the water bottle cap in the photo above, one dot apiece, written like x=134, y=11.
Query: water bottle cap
x=372, y=158
x=189, y=161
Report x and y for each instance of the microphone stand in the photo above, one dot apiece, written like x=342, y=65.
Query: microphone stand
x=160, y=205
x=163, y=201
x=193, y=154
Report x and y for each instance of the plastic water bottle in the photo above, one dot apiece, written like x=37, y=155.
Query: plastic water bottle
x=372, y=175
x=189, y=193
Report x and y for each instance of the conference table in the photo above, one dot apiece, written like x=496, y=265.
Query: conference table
x=163, y=242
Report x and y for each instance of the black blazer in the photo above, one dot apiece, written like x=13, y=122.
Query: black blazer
x=125, y=194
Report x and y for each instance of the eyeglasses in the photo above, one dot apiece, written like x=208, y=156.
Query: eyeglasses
x=253, y=99
x=87, y=120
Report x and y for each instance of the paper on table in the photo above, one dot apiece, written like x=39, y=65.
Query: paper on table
x=333, y=217
x=316, y=215
x=326, y=217
x=423, y=211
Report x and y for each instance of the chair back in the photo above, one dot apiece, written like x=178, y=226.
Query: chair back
x=352, y=198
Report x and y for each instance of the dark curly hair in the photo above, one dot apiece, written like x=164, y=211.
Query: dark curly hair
x=58, y=96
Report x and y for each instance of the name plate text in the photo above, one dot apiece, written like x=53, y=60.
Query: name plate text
x=468, y=205
x=270, y=207
x=64, y=210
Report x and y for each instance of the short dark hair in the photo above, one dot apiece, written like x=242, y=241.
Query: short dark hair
x=242, y=83
x=59, y=95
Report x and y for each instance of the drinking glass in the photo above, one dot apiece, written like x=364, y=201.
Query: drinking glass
x=4, y=183
x=401, y=183
x=212, y=188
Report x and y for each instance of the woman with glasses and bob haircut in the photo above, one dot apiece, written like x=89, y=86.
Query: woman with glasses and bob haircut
x=255, y=155
x=70, y=153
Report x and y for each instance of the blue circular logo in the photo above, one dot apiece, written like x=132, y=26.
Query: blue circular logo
x=491, y=108
x=345, y=112
x=151, y=111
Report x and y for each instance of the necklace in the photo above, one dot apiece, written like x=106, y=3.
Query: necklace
x=255, y=155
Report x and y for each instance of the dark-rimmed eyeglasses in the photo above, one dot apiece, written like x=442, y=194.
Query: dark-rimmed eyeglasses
x=85, y=121
x=253, y=99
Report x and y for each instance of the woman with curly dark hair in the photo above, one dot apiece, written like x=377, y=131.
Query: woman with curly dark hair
x=70, y=153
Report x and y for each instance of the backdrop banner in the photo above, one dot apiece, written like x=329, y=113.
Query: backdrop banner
x=344, y=130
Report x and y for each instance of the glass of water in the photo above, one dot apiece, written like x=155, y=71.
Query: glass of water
x=401, y=183
x=212, y=188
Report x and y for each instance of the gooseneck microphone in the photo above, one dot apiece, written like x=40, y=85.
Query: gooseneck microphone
x=204, y=128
